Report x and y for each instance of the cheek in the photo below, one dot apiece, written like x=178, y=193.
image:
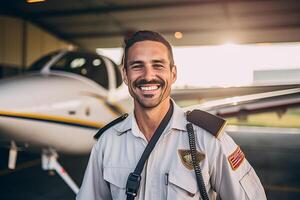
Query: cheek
x=170, y=79
x=131, y=78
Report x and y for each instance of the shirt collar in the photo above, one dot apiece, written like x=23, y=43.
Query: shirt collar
x=178, y=121
x=125, y=125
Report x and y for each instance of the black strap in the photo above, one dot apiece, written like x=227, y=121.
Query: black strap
x=110, y=124
x=198, y=173
x=134, y=178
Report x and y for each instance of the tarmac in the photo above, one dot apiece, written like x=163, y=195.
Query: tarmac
x=30, y=182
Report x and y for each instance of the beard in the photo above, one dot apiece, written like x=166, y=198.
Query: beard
x=149, y=101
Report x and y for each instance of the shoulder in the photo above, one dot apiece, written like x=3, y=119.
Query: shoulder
x=110, y=125
x=212, y=124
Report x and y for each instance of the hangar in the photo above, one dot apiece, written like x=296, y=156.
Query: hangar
x=32, y=28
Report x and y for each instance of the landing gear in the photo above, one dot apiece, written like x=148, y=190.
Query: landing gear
x=49, y=162
x=13, y=153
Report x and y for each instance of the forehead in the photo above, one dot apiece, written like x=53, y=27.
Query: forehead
x=147, y=48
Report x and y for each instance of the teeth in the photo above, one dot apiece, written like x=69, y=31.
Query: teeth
x=149, y=88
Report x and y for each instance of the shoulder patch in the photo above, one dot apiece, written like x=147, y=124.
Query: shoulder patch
x=110, y=124
x=236, y=158
x=211, y=123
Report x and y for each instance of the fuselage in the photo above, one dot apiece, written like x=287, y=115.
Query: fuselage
x=57, y=109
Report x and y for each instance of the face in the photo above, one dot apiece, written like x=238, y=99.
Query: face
x=149, y=75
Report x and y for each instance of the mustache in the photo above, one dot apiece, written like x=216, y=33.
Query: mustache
x=144, y=81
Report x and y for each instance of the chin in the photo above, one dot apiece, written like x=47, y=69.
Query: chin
x=147, y=103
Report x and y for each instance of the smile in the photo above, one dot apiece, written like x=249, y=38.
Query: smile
x=149, y=88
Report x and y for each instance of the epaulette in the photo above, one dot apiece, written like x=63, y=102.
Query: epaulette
x=110, y=124
x=211, y=123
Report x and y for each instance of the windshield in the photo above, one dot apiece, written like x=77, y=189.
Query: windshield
x=90, y=65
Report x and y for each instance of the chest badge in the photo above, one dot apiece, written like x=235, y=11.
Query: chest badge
x=186, y=158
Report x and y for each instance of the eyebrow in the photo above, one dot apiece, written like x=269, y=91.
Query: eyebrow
x=159, y=61
x=135, y=62
x=163, y=61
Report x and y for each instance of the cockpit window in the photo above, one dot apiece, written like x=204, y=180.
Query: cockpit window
x=85, y=64
x=77, y=62
x=89, y=65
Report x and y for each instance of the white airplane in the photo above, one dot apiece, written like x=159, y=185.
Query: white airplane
x=66, y=96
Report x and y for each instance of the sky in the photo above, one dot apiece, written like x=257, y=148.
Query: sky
x=225, y=65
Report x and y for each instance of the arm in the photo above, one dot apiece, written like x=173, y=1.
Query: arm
x=93, y=186
x=233, y=178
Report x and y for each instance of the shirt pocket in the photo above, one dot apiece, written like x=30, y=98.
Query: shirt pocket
x=117, y=178
x=182, y=185
x=252, y=186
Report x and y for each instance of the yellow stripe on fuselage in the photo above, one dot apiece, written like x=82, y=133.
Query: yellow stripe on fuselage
x=53, y=118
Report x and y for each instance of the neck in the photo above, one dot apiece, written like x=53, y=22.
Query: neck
x=149, y=119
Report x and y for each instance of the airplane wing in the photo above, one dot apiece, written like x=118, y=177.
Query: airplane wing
x=249, y=104
x=198, y=94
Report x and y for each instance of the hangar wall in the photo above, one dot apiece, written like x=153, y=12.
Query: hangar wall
x=21, y=42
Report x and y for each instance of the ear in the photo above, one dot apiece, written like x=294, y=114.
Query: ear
x=174, y=73
x=124, y=75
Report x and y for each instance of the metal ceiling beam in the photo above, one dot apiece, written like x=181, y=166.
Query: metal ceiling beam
x=169, y=31
x=40, y=18
x=48, y=28
x=44, y=26
x=256, y=14
x=133, y=7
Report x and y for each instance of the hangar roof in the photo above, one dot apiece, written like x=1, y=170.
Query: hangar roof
x=104, y=23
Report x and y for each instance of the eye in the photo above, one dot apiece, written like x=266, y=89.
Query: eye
x=158, y=66
x=136, y=67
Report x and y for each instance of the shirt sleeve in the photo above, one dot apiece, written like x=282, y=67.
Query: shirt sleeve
x=93, y=185
x=232, y=177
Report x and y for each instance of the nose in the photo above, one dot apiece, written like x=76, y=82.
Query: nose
x=149, y=73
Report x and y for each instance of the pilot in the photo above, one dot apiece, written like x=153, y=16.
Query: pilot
x=119, y=167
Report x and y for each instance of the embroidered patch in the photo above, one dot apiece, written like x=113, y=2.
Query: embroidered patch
x=236, y=158
x=186, y=158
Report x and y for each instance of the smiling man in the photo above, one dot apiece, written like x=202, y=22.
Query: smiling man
x=147, y=154
x=149, y=73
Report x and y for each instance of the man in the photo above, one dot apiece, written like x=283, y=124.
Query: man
x=149, y=72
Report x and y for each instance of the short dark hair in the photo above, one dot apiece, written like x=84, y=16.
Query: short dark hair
x=140, y=36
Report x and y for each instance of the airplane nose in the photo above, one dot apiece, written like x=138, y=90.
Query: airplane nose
x=34, y=110
x=38, y=93
x=35, y=92
x=15, y=96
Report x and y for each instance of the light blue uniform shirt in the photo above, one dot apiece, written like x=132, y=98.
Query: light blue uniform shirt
x=166, y=175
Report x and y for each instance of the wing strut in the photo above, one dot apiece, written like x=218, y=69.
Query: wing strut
x=13, y=153
x=49, y=162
